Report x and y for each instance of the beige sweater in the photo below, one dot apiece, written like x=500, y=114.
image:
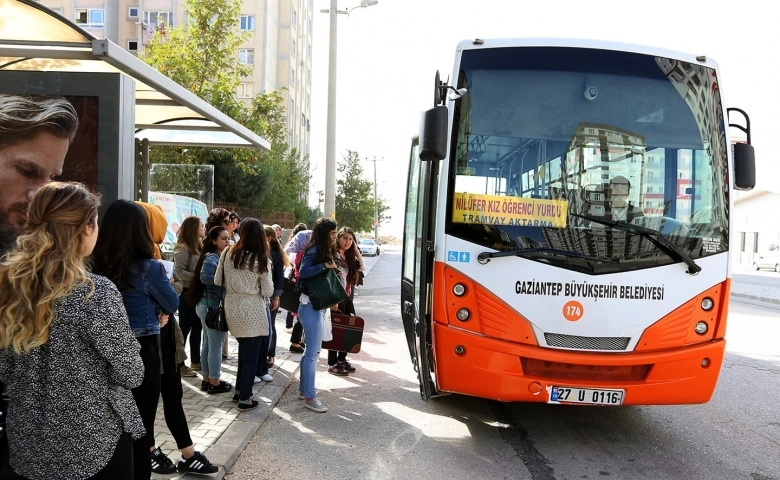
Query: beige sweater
x=245, y=294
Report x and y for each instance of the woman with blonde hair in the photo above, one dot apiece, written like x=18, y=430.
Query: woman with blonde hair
x=185, y=258
x=59, y=321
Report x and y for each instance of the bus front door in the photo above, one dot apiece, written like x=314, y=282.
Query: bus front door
x=416, y=268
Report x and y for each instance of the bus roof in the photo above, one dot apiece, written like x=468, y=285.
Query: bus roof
x=477, y=44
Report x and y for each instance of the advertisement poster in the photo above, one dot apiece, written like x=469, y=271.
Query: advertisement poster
x=43, y=138
x=176, y=209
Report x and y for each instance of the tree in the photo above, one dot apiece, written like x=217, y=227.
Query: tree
x=203, y=58
x=355, y=196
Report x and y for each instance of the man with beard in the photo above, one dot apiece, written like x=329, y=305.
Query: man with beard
x=35, y=133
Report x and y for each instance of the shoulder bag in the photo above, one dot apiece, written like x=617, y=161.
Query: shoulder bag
x=290, y=297
x=215, y=314
x=324, y=289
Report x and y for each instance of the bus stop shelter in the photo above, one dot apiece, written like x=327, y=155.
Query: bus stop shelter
x=127, y=104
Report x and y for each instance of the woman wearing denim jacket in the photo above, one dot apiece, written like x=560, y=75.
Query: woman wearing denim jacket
x=124, y=254
x=203, y=293
x=318, y=256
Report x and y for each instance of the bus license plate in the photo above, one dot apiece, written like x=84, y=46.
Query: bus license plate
x=586, y=396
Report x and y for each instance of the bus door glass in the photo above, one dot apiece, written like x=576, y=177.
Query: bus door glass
x=416, y=274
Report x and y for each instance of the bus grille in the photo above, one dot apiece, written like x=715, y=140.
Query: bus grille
x=577, y=372
x=586, y=343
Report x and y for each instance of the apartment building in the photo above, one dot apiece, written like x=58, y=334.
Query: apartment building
x=278, y=48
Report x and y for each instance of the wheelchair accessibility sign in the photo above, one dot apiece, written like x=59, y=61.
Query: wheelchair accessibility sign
x=455, y=256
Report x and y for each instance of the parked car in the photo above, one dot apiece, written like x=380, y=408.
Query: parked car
x=769, y=260
x=368, y=246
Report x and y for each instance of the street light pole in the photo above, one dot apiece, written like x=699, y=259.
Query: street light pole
x=376, y=205
x=330, y=150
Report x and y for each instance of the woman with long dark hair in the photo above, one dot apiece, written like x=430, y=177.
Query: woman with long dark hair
x=203, y=294
x=185, y=257
x=248, y=286
x=124, y=253
x=319, y=255
x=350, y=263
x=67, y=354
x=279, y=262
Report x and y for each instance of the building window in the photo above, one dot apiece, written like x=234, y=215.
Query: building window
x=293, y=48
x=158, y=18
x=246, y=56
x=132, y=12
x=132, y=45
x=247, y=22
x=292, y=76
x=246, y=90
x=90, y=17
x=308, y=74
x=294, y=17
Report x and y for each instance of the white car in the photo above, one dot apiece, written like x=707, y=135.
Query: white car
x=768, y=260
x=368, y=246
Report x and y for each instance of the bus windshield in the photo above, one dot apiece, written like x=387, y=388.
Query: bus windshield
x=545, y=144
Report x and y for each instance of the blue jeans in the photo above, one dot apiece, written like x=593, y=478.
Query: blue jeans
x=262, y=356
x=311, y=320
x=211, y=352
x=272, y=333
x=248, y=351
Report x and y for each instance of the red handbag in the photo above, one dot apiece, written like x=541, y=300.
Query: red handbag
x=347, y=333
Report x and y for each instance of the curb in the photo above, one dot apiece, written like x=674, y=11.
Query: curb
x=766, y=302
x=226, y=450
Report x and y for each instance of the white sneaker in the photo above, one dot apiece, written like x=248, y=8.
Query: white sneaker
x=266, y=378
x=258, y=379
x=316, y=405
x=301, y=396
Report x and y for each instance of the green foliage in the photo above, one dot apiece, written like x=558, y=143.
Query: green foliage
x=355, y=196
x=204, y=59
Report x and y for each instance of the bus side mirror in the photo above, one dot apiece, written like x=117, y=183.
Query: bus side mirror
x=433, y=134
x=744, y=166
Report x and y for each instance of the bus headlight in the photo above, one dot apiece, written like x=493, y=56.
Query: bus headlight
x=459, y=289
x=701, y=328
x=707, y=304
x=463, y=314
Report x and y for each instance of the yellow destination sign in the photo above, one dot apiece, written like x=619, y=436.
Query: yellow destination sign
x=501, y=210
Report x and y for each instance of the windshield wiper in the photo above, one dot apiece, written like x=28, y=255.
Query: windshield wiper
x=674, y=252
x=485, y=257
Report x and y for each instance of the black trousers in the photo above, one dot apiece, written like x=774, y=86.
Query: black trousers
x=146, y=397
x=190, y=322
x=171, y=390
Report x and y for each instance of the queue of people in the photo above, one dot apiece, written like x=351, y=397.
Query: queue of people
x=111, y=287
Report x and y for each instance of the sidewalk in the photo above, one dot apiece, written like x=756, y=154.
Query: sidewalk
x=762, y=295
x=216, y=426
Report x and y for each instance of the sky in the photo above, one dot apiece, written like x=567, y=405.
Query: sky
x=388, y=55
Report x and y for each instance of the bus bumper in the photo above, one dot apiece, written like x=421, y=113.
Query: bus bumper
x=473, y=364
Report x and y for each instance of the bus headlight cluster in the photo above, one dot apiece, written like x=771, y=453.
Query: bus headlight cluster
x=701, y=328
x=459, y=289
x=707, y=304
x=463, y=314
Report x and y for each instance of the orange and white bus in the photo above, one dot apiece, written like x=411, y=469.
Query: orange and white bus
x=567, y=225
